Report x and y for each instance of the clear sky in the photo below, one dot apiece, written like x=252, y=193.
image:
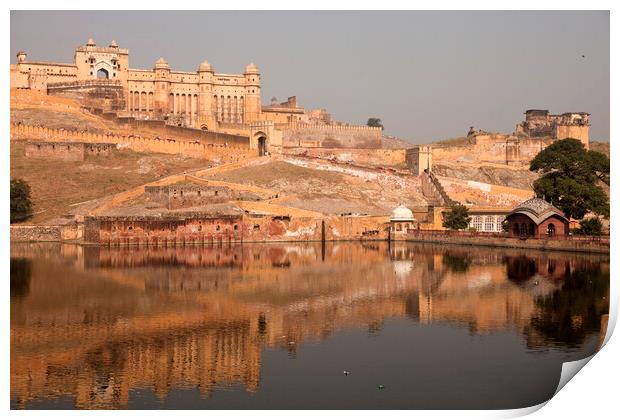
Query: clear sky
x=427, y=75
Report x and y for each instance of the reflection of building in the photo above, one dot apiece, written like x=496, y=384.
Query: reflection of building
x=535, y=218
x=165, y=319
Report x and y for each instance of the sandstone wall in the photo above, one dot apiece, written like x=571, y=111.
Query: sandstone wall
x=180, y=196
x=495, y=149
x=23, y=233
x=330, y=136
x=593, y=245
x=579, y=132
x=55, y=150
x=219, y=152
x=370, y=157
x=341, y=228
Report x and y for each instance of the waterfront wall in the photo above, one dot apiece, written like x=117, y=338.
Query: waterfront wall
x=45, y=233
x=591, y=244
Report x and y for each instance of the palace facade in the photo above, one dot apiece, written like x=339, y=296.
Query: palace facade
x=198, y=99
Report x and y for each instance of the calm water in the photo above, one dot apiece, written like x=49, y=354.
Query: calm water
x=276, y=326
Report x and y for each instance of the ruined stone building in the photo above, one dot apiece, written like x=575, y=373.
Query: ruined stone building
x=68, y=151
x=183, y=195
x=540, y=123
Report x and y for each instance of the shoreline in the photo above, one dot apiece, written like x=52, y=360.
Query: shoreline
x=508, y=243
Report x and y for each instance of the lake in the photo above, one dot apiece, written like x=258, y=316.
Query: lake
x=298, y=325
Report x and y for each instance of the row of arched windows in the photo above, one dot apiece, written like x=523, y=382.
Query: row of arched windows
x=487, y=223
x=140, y=101
x=181, y=103
x=229, y=109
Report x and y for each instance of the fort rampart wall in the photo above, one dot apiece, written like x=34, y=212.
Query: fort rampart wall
x=222, y=152
x=492, y=149
x=68, y=151
x=330, y=136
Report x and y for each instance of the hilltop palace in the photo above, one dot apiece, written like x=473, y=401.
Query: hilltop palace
x=101, y=80
x=199, y=99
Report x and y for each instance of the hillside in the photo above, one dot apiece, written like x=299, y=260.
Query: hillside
x=600, y=146
x=56, y=184
x=330, y=188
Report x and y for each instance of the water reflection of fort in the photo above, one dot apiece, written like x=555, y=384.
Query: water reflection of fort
x=96, y=323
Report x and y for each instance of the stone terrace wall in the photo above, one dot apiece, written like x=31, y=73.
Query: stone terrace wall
x=371, y=157
x=330, y=136
x=216, y=152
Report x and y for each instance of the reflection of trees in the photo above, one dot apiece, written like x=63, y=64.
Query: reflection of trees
x=20, y=277
x=573, y=312
x=457, y=262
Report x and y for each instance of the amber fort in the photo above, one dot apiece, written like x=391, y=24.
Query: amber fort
x=261, y=170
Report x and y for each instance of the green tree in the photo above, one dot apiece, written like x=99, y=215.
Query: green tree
x=21, y=205
x=591, y=226
x=374, y=122
x=457, y=218
x=570, y=178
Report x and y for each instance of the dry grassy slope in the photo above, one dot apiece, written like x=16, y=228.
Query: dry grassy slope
x=57, y=184
x=600, y=146
x=33, y=108
x=328, y=191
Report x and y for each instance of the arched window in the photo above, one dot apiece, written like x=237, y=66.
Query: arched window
x=103, y=74
x=551, y=229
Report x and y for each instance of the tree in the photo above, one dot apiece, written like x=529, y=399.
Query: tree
x=21, y=205
x=591, y=226
x=570, y=178
x=374, y=122
x=457, y=218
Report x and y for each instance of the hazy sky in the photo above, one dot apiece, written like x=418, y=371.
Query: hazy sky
x=427, y=75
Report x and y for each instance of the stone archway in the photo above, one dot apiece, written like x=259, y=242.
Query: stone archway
x=261, y=143
x=103, y=74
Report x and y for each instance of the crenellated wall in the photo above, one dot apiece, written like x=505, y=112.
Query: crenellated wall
x=222, y=152
x=69, y=151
